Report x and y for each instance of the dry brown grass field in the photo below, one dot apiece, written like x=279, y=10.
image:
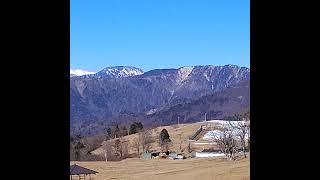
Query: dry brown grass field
x=187, y=169
x=159, y=169
x=178, y=134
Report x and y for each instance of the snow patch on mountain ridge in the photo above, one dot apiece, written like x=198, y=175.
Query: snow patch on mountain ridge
x=79, y=72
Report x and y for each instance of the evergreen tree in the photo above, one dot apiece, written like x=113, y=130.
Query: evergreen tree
x=118, y=148
x=116, y=131
x=71, y=139
x=164, y=136
x=77, y=149
x=135, y=127
x=123, y=131
x=108, y=133
x=164, y=140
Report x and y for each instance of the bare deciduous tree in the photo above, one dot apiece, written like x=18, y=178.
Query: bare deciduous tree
x=242, y=130
x=164, y=146
x=180, y=142
x=145, y=139
x=120, y=148
x=107, y=151
x=226, y=142
x=124, y=145
x=248, y=126
x=117, y=148
x=136, y=144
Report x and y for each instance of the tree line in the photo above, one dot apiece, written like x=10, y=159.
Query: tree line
x=120, y=131
x=117, y=148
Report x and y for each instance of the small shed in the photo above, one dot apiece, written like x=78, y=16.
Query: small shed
x=145, y=155
x=173, y=155
x=81, y=172
x=208, y=154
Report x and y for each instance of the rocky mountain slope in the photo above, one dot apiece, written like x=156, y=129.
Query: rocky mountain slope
x=121, y=94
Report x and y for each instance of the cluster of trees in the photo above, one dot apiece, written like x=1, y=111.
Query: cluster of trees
x=81, y=147
x=76, y=145
x=143, y=141
x=117, y=146
x=228, y=139
x=116, y=132
x=135, y=127
x=239, y=117
x=118, y=149
x=227, y=143
x=120, y=131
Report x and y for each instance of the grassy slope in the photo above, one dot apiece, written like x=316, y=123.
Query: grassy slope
x=177, y=134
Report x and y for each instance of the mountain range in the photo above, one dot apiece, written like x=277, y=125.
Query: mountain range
x=123, y=94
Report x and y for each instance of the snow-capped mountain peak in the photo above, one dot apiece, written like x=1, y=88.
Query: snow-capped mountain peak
x=79, y=72
x=119, y=72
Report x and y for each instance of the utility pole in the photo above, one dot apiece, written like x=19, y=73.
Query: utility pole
x=205, y=119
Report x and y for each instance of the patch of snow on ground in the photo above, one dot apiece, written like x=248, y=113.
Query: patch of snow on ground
x=211, y=134
x=205, y=143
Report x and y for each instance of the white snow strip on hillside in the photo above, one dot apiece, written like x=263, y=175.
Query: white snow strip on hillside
x=211, y=134
x=184, y=72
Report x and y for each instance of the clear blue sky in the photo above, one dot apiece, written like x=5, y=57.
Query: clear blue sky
x=153, y=34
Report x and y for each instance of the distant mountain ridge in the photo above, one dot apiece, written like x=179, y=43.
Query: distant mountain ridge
x=108, y=72
x=79, y=72
x=125, y=91
x=118, y=72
